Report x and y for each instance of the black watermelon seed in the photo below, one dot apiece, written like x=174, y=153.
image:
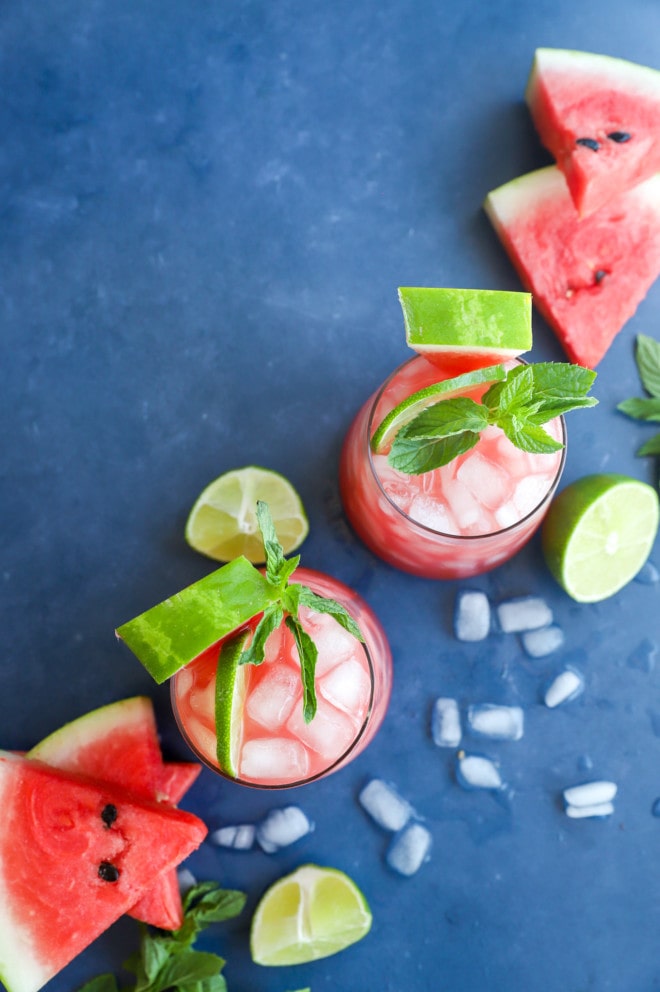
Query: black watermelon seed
x=619, y=136
x=109, y=814
x=600, y=274
x=588, y=143
x=108, y=872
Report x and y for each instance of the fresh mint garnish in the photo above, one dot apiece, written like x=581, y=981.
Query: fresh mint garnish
x=286, y=604
x=527, y=397
x=167, y=960
x=647, y=357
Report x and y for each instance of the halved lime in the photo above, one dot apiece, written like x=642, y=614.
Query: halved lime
x=231, y=682
x=223, y=521
x=598, y=533
x=408, y=409
x=310, y=914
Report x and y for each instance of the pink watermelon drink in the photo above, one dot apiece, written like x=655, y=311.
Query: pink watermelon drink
x=272, y=745
x=458, y=520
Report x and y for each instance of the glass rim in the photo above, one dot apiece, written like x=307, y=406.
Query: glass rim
x=410, y=521
x=277, y=786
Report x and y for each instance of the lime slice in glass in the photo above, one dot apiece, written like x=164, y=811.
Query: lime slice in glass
x=309, y=914
x=409, y=408
x=598, y=533
x=223, y=521
x=231, y=682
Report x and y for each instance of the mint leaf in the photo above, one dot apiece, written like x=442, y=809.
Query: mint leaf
x=321, y=604
x=208, y=903
x=102, y=983
x=308, y=654
x=529, y=436
x=651, y=447
x=641, y=408
x=514, y=393
x=647, y=356
x=275, y=560
x=254, y=654
x=415, y=456
x=560, y=387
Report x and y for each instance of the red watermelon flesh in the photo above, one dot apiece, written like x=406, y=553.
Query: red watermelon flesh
x=600, y=118
x=587, y=276
x=76, y=855
x=118, y=743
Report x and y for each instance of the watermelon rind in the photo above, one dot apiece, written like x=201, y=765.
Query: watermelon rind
x=587, y=275
x=599, y=116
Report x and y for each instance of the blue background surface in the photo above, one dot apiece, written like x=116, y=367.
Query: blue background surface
x=206, y=211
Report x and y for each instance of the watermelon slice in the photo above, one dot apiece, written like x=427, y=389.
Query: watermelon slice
x=118, y=743
x=76, y=855
x=587, y=276
x=460, y=330
x=600, y=118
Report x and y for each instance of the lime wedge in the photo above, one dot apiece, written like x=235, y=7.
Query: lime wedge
x=310, y=914
x=469, y=322
x=408, y=409
x=172, y=633
x=598, y=533
x=223, y=521
x=231, y=682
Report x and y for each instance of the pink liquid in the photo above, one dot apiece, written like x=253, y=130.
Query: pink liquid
x=353, y=685
x=459, y=520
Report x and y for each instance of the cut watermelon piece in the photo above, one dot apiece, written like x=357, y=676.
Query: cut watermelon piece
x=587, y=277
x=119, y=744
x=76, y=855
x=600, y=118
x=460, y=330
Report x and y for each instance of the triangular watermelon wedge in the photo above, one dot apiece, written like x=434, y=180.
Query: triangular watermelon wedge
x=75, y=855
x=118, y=743
x=587, y=276
x=600, y=118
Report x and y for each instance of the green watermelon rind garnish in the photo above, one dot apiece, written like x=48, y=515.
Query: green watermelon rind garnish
x=599, y=116
x=169, y=635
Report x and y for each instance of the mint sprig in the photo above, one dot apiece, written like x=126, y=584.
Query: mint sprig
x=167, y=960
x=647, y=357
x=519, y=404
x=285, y=606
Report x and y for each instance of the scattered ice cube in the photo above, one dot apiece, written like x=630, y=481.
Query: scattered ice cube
x=347, y=686
x=471, y=615
x=329, y=734
x=504, y=723
x=474, y=771
x=239, y=837
x=273, y=758
x=590, y=793
x=523, y=613
x=282, y=827
x=186, y=880
x=582, y=812
x=648, y=574
x=542, y=642
x=409, y=849
x=566, y=686
x=271, y=701
x=446, y=723
x=384, y=805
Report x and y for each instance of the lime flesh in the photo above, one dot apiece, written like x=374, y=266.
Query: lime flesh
x=310, y=914
x=598, y=533
x=223, y=521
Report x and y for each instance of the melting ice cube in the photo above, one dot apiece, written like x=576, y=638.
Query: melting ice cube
x=566, y=686
x=582, y=812
x=504, y=723
x=446, y=723
x=384, y=805
x=348, y=687
x=186, y=880
x=471, y=615
x=474, y=771
x=271, y=701
x=333, y=643
x=590, y=793
x=542, y=642
x=431, y=513
x=464, y=507
x=409, y=849
x=329, y=734
x=523, y=613
x=485, y=480
x=273, y=758
x=283, y=827
x=240, y=837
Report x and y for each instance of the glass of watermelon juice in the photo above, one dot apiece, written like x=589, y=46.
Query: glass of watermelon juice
x=459, y=520
x=273, y=746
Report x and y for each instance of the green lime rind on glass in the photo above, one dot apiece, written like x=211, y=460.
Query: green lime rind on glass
x=172, y=633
